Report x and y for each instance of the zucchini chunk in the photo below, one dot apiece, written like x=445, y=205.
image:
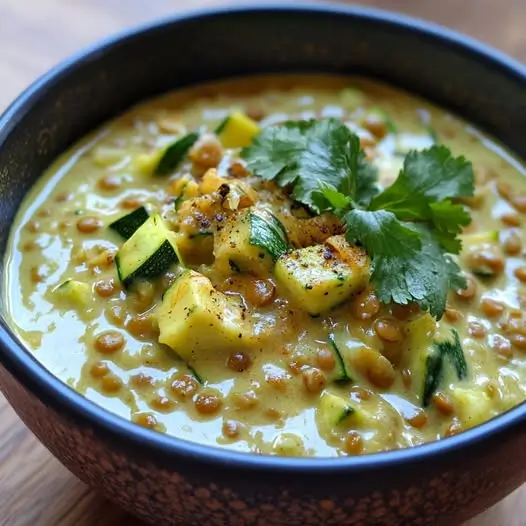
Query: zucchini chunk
x=250, y=241
x=473, y=406
x=428, y=350
x=451, y=348
x=197, y=321
x=335, y=411
x=127, y=225
x=321, y=277
x=237, y=130
x=149, y=252
x=341, y=373
x=425, y=360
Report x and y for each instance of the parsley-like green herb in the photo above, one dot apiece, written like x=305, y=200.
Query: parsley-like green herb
x=409, y=229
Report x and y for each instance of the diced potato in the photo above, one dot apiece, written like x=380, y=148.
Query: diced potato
x=321, y=277
x=196, y=320
x=472, y=405
x=238, y=131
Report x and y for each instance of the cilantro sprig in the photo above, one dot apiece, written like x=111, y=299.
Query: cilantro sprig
x=409, y=229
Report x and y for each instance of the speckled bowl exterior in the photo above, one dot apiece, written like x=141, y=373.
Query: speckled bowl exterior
x=168, y=481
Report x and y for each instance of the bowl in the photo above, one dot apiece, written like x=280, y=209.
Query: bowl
x=166, y=480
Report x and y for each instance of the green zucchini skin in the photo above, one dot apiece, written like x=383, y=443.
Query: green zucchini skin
x=267, y=232
x=156, y=264
x=452, y=349
x=175, y=153
x=221, y=126
x=434, y=367
x=128, y=224
x=342, y=375
x=449, y=349
x=147, y=253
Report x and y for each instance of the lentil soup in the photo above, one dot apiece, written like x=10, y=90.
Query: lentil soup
x=154, y=271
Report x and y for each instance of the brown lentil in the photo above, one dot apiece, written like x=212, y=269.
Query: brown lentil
x=111, y=383
x=132, y=202
x=491, y=308
x=208, y=403
x=207, y=152
x=418, y=420
x=454, y=429
x=109, y=342
x=105, y=287
x=519, y=202
x=33, y=227
x=99, y=369
x=443, y=403
x=476, y=329
x=141, y=380
x=486, y=259
x=116, y=314
x=511, y=219
x=145, y=420
x=365, y=306
x=314, y=380
x=88, y=224
x=278, y=381
x=238, y=362
x=185, y=386
x=245, y=401
x=512, y=244
x=520, y=274
x=353, y=443
x=504, y=190
x=231, y=429
x=110, y=182
x=388, y=330
x=325, y=360
x=452, y=315
x=260, y=292
x=469, y=292
x=142, y=326
x=375, y=367
x=518, y=341
x=502, y=346
x=162, y=403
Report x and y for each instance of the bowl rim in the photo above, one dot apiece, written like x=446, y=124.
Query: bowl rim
x=34, y=376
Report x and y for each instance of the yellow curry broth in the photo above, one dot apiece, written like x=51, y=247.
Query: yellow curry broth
x=264, y=398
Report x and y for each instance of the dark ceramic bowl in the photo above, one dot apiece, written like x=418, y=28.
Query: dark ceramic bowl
x=170, y=481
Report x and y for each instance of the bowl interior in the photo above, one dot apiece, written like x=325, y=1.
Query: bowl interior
x=478, y=84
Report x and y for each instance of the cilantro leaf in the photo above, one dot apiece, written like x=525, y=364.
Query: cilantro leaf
x=448, y=219
x=408, y=230
x=408, y=263
x=421, y=192
x=328, y=198
x=305, y=153
x=433, y=174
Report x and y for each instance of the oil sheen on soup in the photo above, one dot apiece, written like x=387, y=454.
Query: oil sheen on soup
x=156, y=274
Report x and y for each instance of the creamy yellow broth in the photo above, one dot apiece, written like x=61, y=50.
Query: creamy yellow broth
x=262, y=399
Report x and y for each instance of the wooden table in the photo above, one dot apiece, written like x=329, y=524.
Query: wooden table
x=34, y=35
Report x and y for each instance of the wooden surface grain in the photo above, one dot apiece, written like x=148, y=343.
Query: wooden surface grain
x=36, y=34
